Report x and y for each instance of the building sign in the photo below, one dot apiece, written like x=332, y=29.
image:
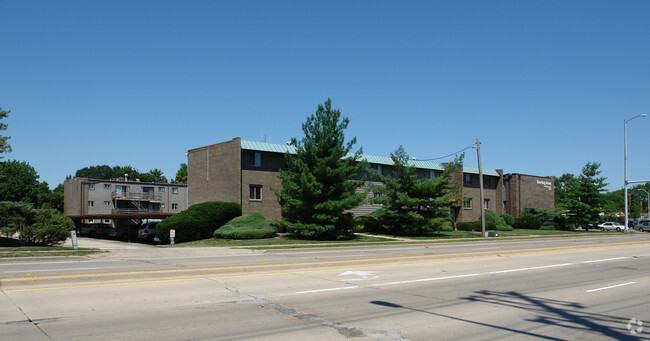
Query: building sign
x=546, y=184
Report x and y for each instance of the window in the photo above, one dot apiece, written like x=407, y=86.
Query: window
x=107, y=203
x=90, y=221
x=174, y=206
x=467, y=179
x=106, y=186
x=91, y=186
x=486, y=204
x=174, y=190
x=91, y=204
x=255, y=192
x=486, y=181
x=107, y=221
x=467, y=203
x=255, y=159
x=162, y=205
x=429, y=174
x=161, y=189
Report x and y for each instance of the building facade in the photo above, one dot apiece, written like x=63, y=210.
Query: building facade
x=247, y=172
x=98, y=201
x=523, y=191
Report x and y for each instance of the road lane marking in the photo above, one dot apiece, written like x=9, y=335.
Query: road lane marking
x=533, y=268
x=603, y=260
x=425, y=280
x=325, y=290
x=611, y=287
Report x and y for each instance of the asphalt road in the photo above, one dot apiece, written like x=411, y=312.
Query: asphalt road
x=133, y=256
x=596, y=290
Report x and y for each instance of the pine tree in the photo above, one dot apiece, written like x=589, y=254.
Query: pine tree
x=584, y=199
x=410, y=203
x=319, y=183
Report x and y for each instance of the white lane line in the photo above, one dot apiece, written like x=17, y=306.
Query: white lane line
x=46, y=270
x=533, y=268
x=603, y=260
x=324, y=290
x=611, y=287
x=425, y=280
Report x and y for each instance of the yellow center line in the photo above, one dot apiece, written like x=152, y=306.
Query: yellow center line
x=505, y=254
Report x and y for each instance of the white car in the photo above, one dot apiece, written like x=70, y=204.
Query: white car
x=611, y=226
x=148, y=230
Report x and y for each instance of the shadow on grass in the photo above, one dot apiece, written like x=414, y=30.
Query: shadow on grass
x=559, y=314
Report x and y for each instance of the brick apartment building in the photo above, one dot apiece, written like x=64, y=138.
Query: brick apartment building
x=523, y=191
x=246, y=172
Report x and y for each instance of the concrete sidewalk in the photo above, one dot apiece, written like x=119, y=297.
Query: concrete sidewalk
x=125, y=250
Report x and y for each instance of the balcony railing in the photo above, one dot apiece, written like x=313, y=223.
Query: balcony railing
x=138, y=196
x=135, y=210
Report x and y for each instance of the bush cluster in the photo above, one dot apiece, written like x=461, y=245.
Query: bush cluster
x=535, y=218
x=251, y=226
x=198, y=221
x=34, y=227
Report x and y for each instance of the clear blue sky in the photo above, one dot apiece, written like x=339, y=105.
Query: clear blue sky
x=545, y=85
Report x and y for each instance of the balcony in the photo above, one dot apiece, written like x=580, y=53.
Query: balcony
x=157, y=197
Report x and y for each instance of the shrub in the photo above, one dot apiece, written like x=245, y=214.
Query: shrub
x=465, y=226
x=508, y=219
x=495, y=222
x=198, y=221
x=534, y=218
x=368, y=223
x=50, y=227
x=250, y=226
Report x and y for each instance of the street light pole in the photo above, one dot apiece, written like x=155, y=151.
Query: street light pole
x=625, y=164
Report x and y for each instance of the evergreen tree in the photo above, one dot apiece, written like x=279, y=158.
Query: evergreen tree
x=410, y=203
x=319, y=183
x=5, y=147
x=584, y=198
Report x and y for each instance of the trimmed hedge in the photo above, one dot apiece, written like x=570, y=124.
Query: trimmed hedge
x=250, y=226
x=198, y=221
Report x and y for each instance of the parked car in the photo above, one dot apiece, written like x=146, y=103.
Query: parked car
x=643, y=226
x=148, y=230
x=119, y=232
x=94, y=230
x=611, y=226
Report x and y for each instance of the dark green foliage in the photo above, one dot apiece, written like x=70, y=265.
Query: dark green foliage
x=18, y=181
x=198, y=221
x=467, y=226
x=96, y=172
x=535, y=218
x=583, y=199
x=5, y=147
x=250, y=226
x=508, y=219
x=493, y=219
x=50, y=227
x=318, y=185
x=489, y=225
x=410, y=203
x=14, y=215
x=108, y=172
x=181, y=175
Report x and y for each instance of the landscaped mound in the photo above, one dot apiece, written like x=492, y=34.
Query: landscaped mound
x=198, y=221
x=250, y=226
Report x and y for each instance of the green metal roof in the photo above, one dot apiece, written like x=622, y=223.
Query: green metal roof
x=373, y=159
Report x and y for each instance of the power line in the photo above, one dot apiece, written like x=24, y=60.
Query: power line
x=446, y=156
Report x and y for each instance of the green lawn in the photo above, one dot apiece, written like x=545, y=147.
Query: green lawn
x=44, y=251
x=368, y=238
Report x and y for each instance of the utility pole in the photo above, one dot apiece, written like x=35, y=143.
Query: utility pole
x=480, y=183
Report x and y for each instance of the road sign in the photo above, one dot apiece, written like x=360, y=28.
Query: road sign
x=172, y=235
x=73, y=238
